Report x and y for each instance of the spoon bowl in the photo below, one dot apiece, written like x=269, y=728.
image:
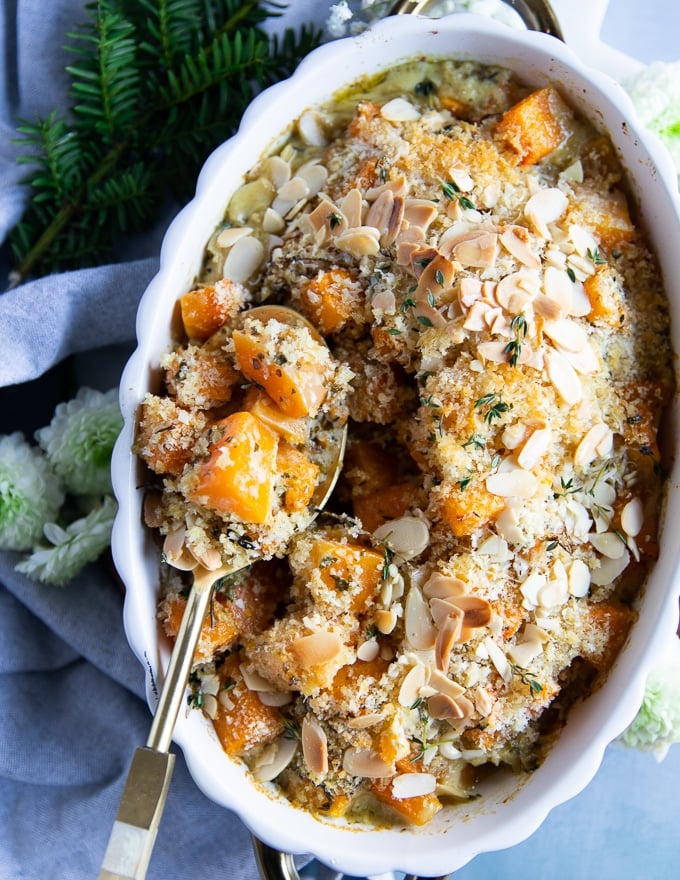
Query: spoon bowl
x=151, y=768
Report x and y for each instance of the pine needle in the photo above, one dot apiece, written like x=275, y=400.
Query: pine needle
x=155, y=85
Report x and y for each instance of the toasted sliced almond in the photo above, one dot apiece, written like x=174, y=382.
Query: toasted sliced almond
x=460, y=175
x=316, y=649
x=547, y=308
x=244, y=259
x=414, y=681
x=314, y=745
x=314, y=175
x=399, y=110
x=493, y=352
x=326, y=220
x=543, y=208
x=175, y=551
x=534, y=448
x=361, y=722
x=273, y=221
x=609, y=544
x=359, y=241
x=231, y=235
x=208, y=557
x=275, y=699
x=490, y=195
x=442, y=586
x=517, y=288
x=407, y=536
x=420, y=631
x=313, y=129
x=419, y=212
x=368, y=650
x=480, y=251
x=584, y=362
x=531, y=588
x=352, y=207
x=516, y=483
x=291, y=192
x=609, y=569
x=408, y=785
x=476, y=611
x=442, y=684
x=563, y=377
x=508, y=527
x=515, y=239
x=366, y=763
x=447, y=636
x=523, y=653
x=254, y=681
x=578, y=577
x=475, y=320
x=277, y=170
x=398, y=186
x=385, y=620
x=274, y=759
x=442, y=708
x=632, y=517
x=566, y=334
x=380, y=211
x=597, y=442
x=559, y=287
x=469, y=291
x=484, y=701
x=498, y=658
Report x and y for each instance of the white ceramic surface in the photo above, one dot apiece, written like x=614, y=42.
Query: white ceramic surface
x=511, y=807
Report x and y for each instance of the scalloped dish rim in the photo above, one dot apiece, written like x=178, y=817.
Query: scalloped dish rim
x=512, y=807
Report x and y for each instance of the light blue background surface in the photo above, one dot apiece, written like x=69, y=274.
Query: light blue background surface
x=626, y=824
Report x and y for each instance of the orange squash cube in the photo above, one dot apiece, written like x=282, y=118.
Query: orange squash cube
x=205, y=310
x=612, y=621
x=295, y=431
x=536, y=126
x=467, y=509
x=606, y=301
x=417, y=810
x=331, y=298
x=390, y=502
x=349, y=567
x=605, y=214
x=244, y=722
x=298, y=389
x=239, y=476
x=298, y=475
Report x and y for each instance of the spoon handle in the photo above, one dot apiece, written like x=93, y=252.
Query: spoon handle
x=143, y=800
x=139, y=813
x=177, y=673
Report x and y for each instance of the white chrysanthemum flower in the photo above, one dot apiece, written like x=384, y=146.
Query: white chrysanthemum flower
x=497, y=9
x=30, y=493
x=79, y=441
x=340, y=14
x=657, y=725
x=72, y=547
x=655, y=93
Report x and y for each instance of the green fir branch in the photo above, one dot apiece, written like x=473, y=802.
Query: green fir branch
x=154, y=86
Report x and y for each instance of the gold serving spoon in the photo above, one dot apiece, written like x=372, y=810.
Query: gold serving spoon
x=143, y=800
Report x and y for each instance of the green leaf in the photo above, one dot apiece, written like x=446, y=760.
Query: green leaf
x=155, y=85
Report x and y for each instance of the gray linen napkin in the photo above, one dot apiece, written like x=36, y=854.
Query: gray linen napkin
x=70, y=688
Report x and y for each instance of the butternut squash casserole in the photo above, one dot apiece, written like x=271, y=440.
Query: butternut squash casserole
x=499, y=346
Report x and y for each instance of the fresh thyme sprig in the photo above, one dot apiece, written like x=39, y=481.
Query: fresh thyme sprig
x=156, y=85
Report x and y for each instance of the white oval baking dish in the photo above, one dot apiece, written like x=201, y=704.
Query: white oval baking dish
x=511, y=807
